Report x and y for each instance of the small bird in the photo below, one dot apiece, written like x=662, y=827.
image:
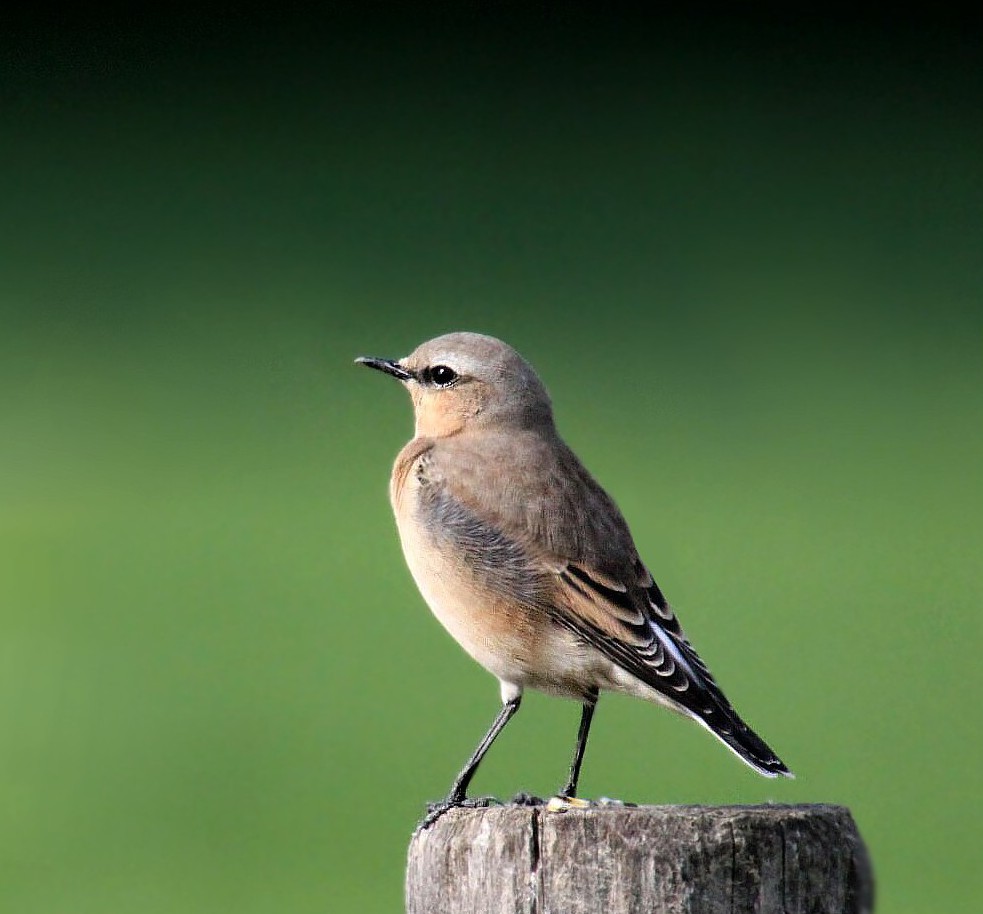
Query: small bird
x=527, y=561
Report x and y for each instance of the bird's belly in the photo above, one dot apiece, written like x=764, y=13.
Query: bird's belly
x=476, y=618
x=516, y=643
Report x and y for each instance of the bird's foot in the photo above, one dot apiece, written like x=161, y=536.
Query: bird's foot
x=436, y=810
x=526, y=799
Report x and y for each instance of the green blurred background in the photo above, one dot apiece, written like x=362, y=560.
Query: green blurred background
x=743, y=252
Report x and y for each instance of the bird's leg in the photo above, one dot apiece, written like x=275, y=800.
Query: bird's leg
x=578, y=753
x=461, y=782
x=459, y=789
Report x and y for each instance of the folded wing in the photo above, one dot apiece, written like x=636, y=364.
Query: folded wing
x=633, y=625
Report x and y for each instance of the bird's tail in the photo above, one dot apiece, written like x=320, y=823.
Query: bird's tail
x=702, y=699
x=725, y=724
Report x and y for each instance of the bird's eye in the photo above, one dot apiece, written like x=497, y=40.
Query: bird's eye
x=441, y=375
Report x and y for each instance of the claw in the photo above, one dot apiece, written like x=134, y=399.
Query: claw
x=436, y=810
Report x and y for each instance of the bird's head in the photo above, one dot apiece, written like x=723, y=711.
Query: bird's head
x=469, y=380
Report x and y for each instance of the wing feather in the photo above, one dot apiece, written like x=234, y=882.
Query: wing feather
x=655, y=650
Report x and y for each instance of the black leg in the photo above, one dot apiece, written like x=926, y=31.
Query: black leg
x=578, y=753
x=459, y=789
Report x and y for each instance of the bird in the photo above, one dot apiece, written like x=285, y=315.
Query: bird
x=528, y=562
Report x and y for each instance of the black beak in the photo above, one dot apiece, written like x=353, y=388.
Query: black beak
x=389, y=366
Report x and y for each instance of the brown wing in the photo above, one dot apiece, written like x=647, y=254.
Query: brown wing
x=634, y=627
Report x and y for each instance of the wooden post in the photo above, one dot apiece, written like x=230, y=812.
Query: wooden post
x=630, y=860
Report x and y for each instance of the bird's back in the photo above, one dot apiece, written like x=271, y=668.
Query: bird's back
x=530, y=485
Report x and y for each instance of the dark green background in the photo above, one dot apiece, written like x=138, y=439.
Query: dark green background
x=745, y=255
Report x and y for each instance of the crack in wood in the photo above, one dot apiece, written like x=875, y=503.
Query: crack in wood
x=535, y=885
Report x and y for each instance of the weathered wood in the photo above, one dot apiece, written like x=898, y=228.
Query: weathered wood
x=630, y=860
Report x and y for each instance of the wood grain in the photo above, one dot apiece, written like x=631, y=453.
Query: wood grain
x=628, y=860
